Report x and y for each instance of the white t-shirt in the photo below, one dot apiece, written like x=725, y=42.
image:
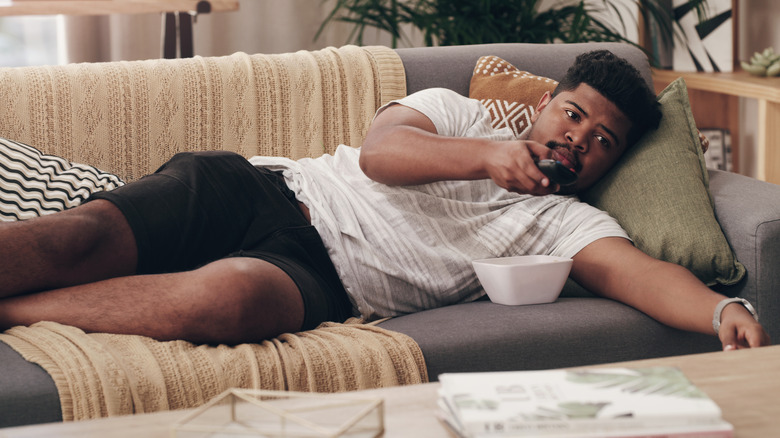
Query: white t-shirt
x=405, y=249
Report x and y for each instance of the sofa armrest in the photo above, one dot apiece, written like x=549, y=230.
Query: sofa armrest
x=748, y=211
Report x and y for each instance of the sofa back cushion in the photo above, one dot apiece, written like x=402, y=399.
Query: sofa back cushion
x=451, y=67
x=128, y=118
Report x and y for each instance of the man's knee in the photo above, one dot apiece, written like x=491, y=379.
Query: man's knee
x=87, y=243
x=253, y=299
x=97, y=231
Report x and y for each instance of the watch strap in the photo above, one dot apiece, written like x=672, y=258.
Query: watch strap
x=719, y=310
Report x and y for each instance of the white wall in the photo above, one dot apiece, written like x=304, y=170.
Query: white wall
x=262, y=26
x=270, y=26
x=278, y=26
x=259, y=26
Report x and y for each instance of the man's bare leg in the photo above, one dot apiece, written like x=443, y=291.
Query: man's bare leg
x=229, y=301
x=88, y=243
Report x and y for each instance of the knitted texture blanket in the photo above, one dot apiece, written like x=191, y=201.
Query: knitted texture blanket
x=99, y=375
x=128, y=118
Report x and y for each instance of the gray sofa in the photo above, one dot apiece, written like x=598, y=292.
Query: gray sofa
x=577, y=329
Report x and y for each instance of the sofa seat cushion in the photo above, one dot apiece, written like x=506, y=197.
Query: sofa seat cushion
x=483, y=336
x=27, y=392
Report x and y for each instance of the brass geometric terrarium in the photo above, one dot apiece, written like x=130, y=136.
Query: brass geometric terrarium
x=275, y=414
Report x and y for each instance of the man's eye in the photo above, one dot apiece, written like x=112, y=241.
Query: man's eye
x=602, y=140
x=572, y=115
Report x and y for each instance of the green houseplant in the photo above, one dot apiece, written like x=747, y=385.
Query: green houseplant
x=456, y=22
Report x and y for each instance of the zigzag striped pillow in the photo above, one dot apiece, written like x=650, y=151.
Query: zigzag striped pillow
x=34, y=184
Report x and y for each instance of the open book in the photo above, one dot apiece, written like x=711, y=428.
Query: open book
x=608, y=402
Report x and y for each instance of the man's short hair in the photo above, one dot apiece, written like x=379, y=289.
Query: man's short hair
x=621, y=83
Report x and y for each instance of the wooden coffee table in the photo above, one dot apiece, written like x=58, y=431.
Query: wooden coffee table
x=744, y=383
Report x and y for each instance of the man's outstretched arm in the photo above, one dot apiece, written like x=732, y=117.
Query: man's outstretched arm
x=402, y=147
x=614, y=268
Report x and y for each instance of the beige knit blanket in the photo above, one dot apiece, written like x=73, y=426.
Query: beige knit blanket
x=130, y=117
x=99, y=375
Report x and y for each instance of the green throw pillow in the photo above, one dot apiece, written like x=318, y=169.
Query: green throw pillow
x=659, y=193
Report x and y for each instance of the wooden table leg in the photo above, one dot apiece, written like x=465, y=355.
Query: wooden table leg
x=186, y=45
x=170, y=40
x=177, y=33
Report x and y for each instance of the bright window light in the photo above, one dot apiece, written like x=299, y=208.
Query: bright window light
x=29, y=40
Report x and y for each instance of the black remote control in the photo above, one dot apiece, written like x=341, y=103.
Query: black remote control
x=557, y=172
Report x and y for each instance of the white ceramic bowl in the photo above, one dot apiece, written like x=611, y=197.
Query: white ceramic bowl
x=520, y=280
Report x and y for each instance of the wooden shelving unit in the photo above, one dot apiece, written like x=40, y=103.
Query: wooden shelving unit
x=714, y=101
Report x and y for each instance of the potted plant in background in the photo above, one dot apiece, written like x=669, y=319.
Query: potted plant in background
x=461, y=22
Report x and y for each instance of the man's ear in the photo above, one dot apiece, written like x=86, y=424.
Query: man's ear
x=546, y=98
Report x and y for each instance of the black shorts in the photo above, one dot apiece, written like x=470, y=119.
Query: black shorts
x=205, y=206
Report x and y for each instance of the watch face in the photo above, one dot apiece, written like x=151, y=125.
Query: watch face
x=750, y=308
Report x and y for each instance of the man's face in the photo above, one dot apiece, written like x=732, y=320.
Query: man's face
x=585, y=130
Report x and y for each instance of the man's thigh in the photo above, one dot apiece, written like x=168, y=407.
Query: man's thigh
x=199, y=207
x=228, y=301
x=204, y=207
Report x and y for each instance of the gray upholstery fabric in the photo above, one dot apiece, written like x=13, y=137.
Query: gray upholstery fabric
x=451, y=67
x=748, y=211
x=483, y=336
x=27, y=392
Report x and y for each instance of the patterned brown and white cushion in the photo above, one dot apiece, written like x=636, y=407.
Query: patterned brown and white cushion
x=510, y=94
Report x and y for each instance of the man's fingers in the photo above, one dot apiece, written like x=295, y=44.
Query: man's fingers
x=514, y=167
x=734, y=338
x=757, y=337
x=539, y=151
x=728, y=338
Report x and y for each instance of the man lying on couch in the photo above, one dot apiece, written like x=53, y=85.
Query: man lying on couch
x=213, y=248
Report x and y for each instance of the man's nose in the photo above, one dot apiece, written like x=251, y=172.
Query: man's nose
x=577, y=141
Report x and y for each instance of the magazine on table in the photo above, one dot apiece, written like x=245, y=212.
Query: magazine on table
x=604, y=402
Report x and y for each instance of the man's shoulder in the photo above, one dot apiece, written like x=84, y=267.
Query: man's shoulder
x=453, y=114
x=572, y=208
x=438, y=93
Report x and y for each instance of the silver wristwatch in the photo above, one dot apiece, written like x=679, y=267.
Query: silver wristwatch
x=722, y=304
